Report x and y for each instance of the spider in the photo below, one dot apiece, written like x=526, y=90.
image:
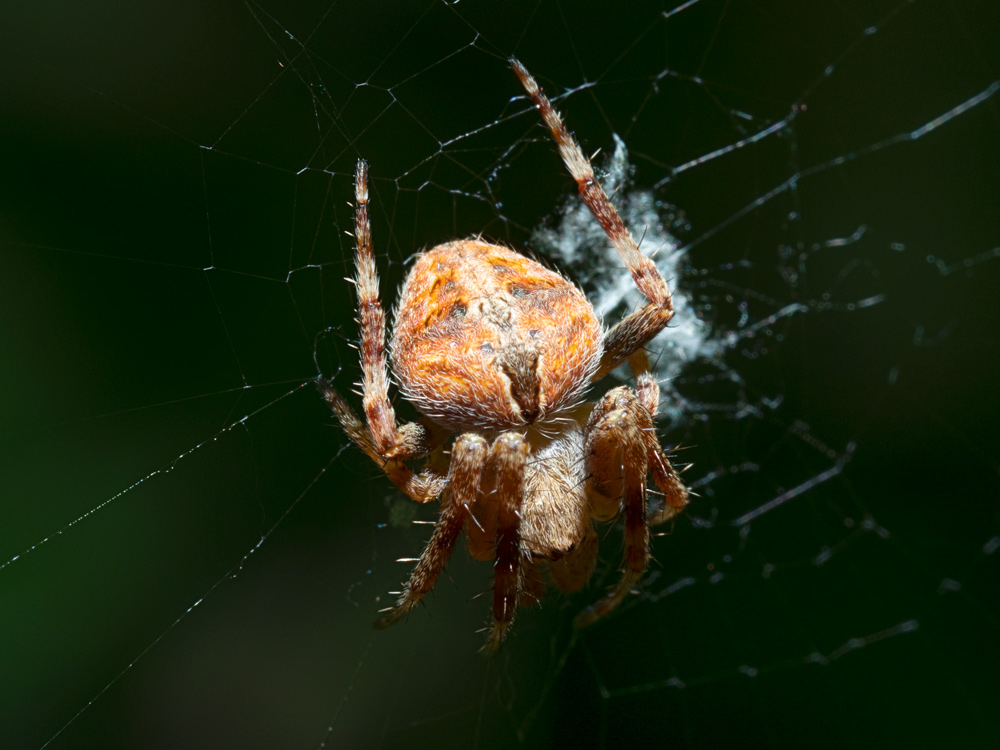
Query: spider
x=497, y=349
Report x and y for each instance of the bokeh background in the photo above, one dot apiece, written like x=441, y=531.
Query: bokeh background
x=192, y=557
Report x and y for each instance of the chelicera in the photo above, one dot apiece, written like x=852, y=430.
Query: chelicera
x=497, y=352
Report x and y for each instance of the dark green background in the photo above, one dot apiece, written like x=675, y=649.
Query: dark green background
x=152, y=204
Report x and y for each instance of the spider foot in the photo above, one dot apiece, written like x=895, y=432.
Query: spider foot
x=596, y=611
x=497, y=635
x=394, y=614
x=609, y=603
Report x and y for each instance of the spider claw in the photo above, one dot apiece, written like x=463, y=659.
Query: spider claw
x=497, y=635
x=392, y=616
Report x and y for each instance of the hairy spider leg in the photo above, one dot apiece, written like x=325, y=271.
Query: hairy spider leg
x=468, y=457
x=410, y=440
x=617, y=449
x=379, y=437
x=646, y=387
x=675, y=494
x=422, y=487
x=510, y=459
x=635, y=330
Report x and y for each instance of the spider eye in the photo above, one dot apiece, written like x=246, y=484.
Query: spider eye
x=458, y=311
x=518, y=292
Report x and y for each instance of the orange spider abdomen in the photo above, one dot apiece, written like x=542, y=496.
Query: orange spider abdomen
x=486, y=338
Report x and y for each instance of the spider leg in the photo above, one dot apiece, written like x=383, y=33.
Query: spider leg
x=629, y=335
x=422, y=487
x=646, y=387
x=379, y=437
x=675, y=494
x=621, y=449
x=467, y=460
x=510, y=458
x=617, y=464
x=637, y=329
x=409, y=440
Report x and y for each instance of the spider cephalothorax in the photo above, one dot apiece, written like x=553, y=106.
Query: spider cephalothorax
x=496, y=348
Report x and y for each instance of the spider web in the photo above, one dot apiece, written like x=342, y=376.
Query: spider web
x=190, y=556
